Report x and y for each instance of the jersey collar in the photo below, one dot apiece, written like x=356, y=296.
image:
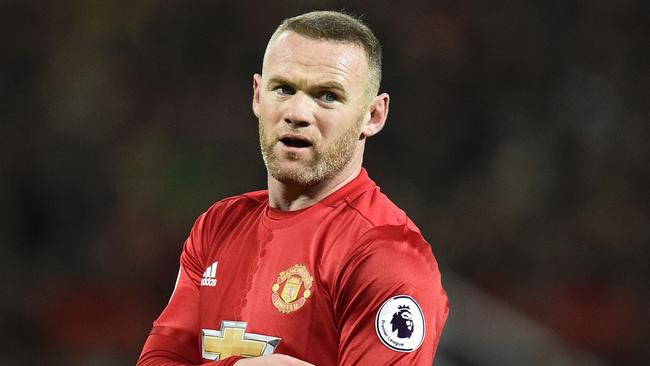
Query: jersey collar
x=348, y=192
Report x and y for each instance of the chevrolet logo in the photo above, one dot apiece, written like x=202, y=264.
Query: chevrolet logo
x=232, y=340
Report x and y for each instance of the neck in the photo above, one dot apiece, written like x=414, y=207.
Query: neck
x=292, y=197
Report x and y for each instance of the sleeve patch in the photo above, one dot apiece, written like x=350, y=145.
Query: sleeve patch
x=400, y=324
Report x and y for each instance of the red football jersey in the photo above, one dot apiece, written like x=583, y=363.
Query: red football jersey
x=347, y=281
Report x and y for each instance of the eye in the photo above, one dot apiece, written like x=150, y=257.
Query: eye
x=330, y=97
x=285, y=90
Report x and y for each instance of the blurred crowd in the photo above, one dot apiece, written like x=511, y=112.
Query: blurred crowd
x=517, y=141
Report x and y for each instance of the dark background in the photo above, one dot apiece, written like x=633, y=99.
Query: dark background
x=517, y=140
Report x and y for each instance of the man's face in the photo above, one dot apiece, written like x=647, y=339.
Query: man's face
x=311, y=102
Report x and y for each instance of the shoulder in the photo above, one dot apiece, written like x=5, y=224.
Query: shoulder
x=231, y=208
x=391, y=261
x=378, y=210
x=239, y=202
x=220, y=218
x=392, y=255
x=396, y=247
x=375, y=225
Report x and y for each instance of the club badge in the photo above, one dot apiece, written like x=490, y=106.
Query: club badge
x=400, y=324
x=292, y=289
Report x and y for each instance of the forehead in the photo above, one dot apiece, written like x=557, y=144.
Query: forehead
x=291, y=54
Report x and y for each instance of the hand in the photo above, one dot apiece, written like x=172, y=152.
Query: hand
x=272, y=360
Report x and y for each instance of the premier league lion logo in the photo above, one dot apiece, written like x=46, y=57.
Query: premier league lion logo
x=403, y=322
x=400, y=324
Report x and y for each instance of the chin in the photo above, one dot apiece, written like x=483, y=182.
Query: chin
x=296, y=173
x=299, y=177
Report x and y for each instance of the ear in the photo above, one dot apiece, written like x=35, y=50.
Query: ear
x=257, y=81
x=377, y=114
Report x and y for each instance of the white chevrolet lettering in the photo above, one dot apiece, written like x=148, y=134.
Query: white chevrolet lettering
x=210, y=276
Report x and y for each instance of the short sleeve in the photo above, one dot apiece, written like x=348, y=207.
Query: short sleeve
x=390, y=305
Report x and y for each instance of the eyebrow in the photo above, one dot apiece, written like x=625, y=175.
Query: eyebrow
x=331, y=85
x=327, y=85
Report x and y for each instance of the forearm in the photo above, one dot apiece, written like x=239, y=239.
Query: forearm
x=167, y=347
x=166, y=358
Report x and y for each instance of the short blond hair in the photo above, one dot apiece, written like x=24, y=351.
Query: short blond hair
x=338, y=27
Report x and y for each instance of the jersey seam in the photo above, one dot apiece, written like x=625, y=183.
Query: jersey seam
x=349, y=204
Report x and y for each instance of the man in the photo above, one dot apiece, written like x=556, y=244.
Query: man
x=321, y=268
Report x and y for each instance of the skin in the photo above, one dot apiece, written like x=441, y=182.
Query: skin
x=272, y=360
x=314, y=90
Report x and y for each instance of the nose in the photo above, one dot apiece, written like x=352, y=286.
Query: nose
x=300, y=110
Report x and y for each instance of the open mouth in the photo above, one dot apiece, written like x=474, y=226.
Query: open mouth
x=295, y=141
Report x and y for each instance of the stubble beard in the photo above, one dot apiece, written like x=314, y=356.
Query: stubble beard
x=323, y=164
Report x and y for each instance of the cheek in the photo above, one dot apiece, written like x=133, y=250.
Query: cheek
x=267, y=108
x=333, y=123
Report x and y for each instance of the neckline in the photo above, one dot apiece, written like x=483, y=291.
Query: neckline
x=274, y=218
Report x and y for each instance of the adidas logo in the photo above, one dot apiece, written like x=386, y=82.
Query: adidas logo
x=210, y=276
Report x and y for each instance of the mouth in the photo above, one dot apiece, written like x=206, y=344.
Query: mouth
x=296, y=141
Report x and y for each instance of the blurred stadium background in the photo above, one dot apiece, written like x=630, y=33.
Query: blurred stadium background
x=517, y=140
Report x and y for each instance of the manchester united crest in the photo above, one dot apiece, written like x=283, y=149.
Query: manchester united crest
x=292, y=289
